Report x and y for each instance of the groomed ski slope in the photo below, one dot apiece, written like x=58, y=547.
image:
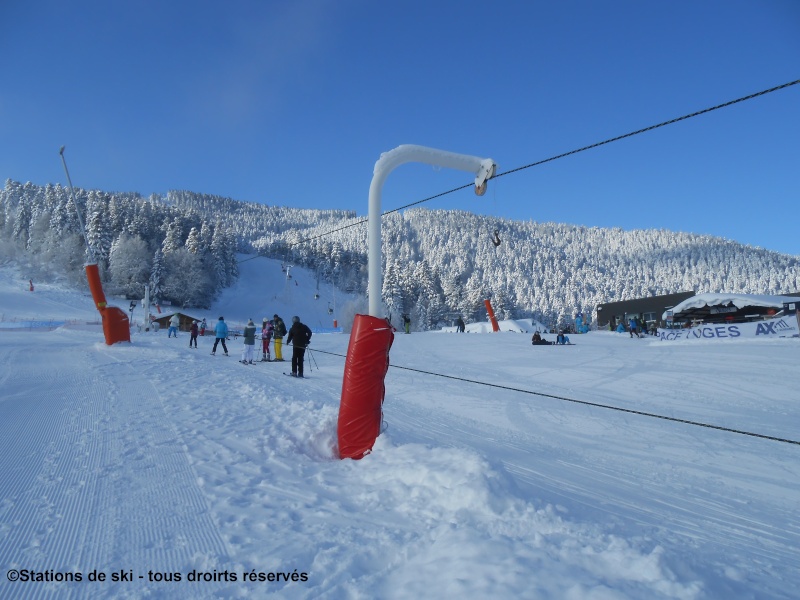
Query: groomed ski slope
x=150, y=458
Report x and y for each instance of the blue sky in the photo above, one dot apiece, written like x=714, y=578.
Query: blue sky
x=292, y=103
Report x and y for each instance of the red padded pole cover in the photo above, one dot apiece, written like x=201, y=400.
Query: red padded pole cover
x=495, y=326
x=363, y=387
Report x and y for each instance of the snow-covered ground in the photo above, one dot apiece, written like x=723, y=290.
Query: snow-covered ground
x=152, y=463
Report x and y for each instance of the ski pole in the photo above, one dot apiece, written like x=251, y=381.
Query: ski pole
x=314, y=359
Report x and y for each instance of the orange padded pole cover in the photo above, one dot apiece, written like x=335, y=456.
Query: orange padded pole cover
x=116, y=326
x=363, y=390
x=93, y=275
x=495, y=326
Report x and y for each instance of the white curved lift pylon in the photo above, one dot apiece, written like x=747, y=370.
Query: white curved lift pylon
x=484, y=169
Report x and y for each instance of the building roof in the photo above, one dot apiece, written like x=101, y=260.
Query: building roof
x=700, y=306
x=650, y=304
x=181, y=315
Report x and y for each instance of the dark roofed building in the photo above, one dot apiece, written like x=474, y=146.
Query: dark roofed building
x=185, y=324
x=649, y=310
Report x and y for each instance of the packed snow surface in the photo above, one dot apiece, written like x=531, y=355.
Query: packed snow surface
x=172, y=473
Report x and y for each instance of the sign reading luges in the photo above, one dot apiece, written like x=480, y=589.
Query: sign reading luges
x=771, y=328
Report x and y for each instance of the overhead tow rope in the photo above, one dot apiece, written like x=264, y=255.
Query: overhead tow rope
x=652, y=127
x=556, y=157
x=587, y=403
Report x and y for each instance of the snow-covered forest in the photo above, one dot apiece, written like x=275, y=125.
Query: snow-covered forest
x=439, y=264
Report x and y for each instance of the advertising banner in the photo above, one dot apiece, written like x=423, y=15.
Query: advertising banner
x=771, y=328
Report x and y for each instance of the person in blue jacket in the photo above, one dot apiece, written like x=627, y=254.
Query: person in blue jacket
x=634, y=327
x=620, y=327
x=221, y=331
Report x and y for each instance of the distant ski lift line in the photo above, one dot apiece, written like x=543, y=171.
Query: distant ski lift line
x=556, y=157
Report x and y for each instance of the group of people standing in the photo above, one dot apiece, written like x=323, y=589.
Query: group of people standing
x=275, y=329
x=299, y=335
x=272, y=330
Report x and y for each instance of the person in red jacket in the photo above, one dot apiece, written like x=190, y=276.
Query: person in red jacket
x=266, y=336
x=194, y=330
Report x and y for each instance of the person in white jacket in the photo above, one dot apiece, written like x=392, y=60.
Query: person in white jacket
x=174, y=322
x=249, y=342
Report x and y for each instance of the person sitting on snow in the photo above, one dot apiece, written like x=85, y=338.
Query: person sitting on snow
x=561, y=338
x=537, y=340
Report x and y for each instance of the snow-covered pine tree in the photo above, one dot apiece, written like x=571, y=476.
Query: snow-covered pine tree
x=129, y=266
x=193, y=242
x=156, y=276
x=173, y=238
x=392, y=293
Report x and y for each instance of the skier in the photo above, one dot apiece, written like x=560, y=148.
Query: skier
x=633, y=326
x=221, y=331
x=407, y=323
x=278, y=331
x=174, y=321
x=249, y=342
x=203, y=327
x=266, y=336
x=299, y=337
x=460, y=327
x=193, y=330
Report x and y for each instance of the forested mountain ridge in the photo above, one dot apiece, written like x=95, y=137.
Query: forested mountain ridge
x=437, y=263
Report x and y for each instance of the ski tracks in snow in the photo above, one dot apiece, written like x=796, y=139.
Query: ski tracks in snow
x=83, y=465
